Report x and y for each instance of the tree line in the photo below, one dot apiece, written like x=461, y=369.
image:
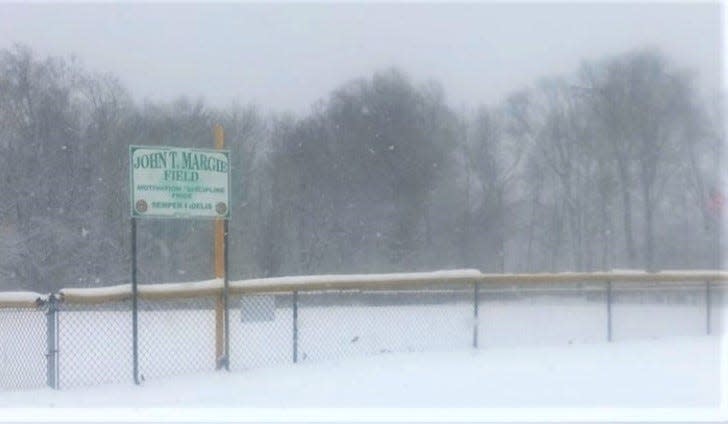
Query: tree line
x=615, y=165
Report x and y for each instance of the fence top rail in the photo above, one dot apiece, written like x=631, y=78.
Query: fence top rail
x=614, y=276
x=385, y=281
x=21, y=299
x=353, y=281
x=123, y=292
x=214, y=287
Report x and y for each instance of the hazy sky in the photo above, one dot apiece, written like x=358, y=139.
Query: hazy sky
x=287, y=56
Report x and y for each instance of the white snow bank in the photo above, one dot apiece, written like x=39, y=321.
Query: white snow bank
x=674, y=373
x=20, y=298
x=361, y=415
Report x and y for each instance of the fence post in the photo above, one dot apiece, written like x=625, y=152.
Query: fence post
x=220, y=248
x=52, y=343
x=134, y=304
x=219, y=332
x=707, y=307
x=295, y=326
x=609, y=311
x=475, y=314
x=225, y=295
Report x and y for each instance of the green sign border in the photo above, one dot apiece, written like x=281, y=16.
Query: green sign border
x=135, y=214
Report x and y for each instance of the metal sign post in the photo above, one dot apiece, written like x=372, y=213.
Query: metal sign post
x=134, y=297
x=225, y=300
x=173, y=182
x=222, y=332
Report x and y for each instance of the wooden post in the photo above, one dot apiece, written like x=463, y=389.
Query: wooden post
x=220, y=359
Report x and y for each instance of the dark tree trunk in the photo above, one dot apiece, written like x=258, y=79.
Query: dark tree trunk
x=627, y=210
x=649, y=228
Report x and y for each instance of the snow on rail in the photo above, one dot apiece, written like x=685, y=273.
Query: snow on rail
x=96, y=294
x=372, y=281
x=309, y=282
x=146, y=291
x=180, y=290
x=614, y=276
x=21, y=299
x=340, y=281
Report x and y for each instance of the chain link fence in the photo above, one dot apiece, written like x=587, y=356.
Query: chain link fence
x=22, y=348
x=67, y=344
x=94, y=343
x=650, y=310
x=341, y=324
x=521, y=314
x=261, y=330
x=176, y=337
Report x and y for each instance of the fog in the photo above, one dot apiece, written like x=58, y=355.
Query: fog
x=365, y=137
x=285, y=57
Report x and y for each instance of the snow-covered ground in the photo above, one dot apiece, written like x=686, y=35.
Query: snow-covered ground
x=95, y=345
x=682, y=372
x=546, y=354
x=545, y=357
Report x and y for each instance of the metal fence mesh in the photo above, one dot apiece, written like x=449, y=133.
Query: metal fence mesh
x=95, y=344
x=526, y=315
x=176, y=337
x=179, y=336
x=261, y=330
x=658, y=310
x=566, y=313
x=22, y=348
x=340, y=324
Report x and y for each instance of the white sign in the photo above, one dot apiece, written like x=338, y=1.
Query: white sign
x=258, y=308
x=172, y=182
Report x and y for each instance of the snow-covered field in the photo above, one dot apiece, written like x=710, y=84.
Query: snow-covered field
x=681, y=372
x=539, y=357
